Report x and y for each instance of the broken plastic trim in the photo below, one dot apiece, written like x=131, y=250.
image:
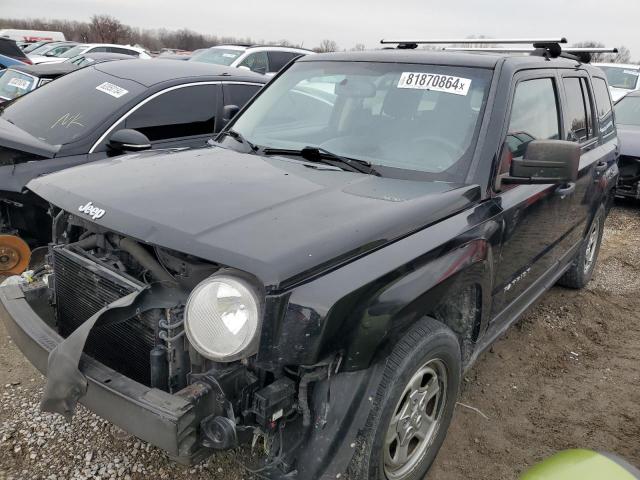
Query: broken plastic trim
x=66, y=384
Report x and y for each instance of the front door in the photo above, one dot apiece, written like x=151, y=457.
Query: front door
x=534, y=216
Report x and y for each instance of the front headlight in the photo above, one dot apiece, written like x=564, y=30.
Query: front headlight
x=222, y=318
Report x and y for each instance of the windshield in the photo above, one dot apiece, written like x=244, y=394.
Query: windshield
x=54, y=114
x=219, y=56
x=620, y=77
x=14, y=84
x=628, y=111
x=75, y=51
x=42, y=49
x=400, y=117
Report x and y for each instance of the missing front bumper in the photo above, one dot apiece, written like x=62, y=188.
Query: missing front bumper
x=167, y=421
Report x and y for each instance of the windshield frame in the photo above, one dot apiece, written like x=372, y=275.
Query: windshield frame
x=468, y=161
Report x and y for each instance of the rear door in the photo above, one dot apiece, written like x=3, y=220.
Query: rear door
x=580, y=125
x=535, y=230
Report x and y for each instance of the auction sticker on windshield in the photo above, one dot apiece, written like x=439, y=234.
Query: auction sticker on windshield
x=18, y=83
x=434, y=81
x=111, y=89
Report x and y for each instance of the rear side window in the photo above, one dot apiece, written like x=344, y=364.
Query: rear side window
x=604, y=109
x=178, y=113
x=123, y=51
x=236, y=94
x=534, y=115
x=578, y=110
x=277, y=60
x=10, y=49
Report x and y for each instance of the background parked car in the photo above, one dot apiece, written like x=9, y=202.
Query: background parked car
x=10, y=49
x=32, y=46
x=21, y=79
x=628, y=123
x=89, y=58
x=103, y=48
x=126, y=106
x=50, y=52
x=6, y=62
x=262, y=59
x=31, y=35
x=622, y=78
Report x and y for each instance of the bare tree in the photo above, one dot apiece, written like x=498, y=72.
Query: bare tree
x=623, y=55
x=359, y=47
x=327, y=46
x=108, y=29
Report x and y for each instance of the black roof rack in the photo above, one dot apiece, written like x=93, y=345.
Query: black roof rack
x=582, y=54
x=546, y=47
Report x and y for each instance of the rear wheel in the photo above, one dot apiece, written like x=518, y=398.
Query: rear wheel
x=413, y=406
x=584, y=264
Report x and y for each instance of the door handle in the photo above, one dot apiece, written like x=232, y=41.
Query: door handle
x=566, y=189
x=601, y=167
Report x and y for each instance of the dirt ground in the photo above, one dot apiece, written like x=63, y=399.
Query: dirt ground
x=567, y=375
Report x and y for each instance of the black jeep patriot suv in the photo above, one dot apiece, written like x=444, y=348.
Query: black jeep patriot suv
x=319, y=277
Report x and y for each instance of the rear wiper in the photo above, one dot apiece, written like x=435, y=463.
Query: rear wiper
x=321, y=155
x=238, y=137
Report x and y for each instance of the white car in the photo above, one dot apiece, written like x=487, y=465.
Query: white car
x=622, y=78
x=50, y=52
x=265, y=59
x=102, y=48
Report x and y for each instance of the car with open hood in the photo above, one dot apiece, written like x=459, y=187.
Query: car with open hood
x=99, y=111
x=317, y=280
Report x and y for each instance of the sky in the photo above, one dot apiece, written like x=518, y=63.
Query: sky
x=348, y=22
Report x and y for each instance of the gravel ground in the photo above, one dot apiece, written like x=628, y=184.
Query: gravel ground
x=566, y=376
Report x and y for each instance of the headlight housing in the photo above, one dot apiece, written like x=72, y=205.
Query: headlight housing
x=222, y=318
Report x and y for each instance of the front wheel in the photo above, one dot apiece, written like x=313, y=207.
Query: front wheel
x=413, y=406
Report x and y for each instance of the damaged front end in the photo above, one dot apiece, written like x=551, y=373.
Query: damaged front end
x=629, y=179
x=119, y=326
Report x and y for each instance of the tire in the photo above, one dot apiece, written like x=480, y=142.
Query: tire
x=582, y=267
x=428, y=354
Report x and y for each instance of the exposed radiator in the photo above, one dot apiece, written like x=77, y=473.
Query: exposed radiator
x=82, y=287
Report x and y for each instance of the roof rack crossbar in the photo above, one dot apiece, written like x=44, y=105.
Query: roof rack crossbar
x=510, y=41
x=529, y=50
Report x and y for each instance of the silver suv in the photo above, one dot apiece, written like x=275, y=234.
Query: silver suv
x=265, y=59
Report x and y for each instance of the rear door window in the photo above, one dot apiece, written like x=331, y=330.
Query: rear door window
x=123, y=51
x=577, y=114
x=277, y=60
x=238, y=94
x=183, y=112
x=604, y=108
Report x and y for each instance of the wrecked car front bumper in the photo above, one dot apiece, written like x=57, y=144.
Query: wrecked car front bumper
x=167, y=421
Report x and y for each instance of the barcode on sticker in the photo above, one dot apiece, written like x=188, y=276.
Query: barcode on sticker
x=111, y=89
x=435, y=81
x=18, y=83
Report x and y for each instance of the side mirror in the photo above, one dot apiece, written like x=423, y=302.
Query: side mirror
x=128, y=140
x=228, y=112
x=546, y=161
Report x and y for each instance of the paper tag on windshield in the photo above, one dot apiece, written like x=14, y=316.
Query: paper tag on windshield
x=434, y=81
x=111, y=89
x=229, y=55
x=18, y=83
x=632, y=72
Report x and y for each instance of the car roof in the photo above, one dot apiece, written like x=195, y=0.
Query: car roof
x=46, y=69
x=91, y=45
x=152, y=72
x=450, y=58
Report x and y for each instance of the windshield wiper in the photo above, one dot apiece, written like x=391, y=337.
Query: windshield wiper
x=238, y=137
x=321, y=155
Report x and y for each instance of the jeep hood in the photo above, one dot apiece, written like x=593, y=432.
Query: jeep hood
x=279, y=219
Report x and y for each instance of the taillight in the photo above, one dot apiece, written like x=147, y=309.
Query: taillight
x=26, y=60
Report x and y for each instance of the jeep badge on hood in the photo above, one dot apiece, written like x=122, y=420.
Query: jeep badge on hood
x=94, y=212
